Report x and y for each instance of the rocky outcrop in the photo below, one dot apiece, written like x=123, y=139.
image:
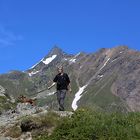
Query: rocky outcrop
x=22, y=109
x=2, y=91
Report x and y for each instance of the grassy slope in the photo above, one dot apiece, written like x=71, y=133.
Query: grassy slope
x=100, y=95
x=17, y=88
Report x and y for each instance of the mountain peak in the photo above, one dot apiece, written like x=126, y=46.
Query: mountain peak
x=122, y=47
x=56, y=50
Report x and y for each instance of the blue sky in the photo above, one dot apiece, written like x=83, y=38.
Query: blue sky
x=30, y=28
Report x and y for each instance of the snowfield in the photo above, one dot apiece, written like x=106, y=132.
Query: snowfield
x=77, y=97
x=50, y=59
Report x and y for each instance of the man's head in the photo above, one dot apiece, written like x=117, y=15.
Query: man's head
x=60, y=69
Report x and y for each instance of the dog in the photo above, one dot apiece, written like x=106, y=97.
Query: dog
x=24, y=99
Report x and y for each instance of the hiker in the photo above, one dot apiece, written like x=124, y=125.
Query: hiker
x=63, y=85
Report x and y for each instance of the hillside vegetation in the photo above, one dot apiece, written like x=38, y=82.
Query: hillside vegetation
x=87, y=124
x=90, y=125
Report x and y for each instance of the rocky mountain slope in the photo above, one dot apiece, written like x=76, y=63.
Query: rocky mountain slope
x=108, y=79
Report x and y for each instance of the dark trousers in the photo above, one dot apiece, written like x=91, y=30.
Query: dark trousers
x=60, y=98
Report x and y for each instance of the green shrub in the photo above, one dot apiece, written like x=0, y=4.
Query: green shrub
x=86, y=124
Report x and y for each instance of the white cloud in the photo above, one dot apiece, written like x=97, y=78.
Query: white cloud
x=5, y=42
x=8, y=38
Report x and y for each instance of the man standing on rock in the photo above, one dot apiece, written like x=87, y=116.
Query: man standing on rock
x=63, y=85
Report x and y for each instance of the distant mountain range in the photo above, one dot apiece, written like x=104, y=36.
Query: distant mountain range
x=108, y=79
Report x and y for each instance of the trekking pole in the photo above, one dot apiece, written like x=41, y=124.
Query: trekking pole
x=45, y=90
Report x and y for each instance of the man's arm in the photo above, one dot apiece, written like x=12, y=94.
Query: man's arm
x=51, y=85
x=54, y=82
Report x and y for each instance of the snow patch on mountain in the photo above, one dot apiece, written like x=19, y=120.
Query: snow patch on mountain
x=37, y=63
x=105, y=64
x=77, y=54
x=77, y=97
x=33, y=73
x=65, y=59
x=50, y=59
x=81, y=67
x=100, y=76
x=114, y=60
x=47, y=61
x=73, y=60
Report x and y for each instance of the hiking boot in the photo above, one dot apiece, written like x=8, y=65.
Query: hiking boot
x=61, y=109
